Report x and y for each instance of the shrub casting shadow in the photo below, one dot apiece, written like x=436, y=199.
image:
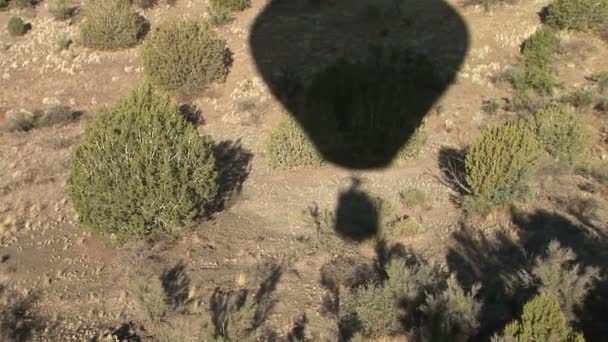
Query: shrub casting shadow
x=477, y=259
x=370, y=70
x=234, y=164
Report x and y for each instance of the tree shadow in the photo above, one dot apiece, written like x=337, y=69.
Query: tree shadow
x=234, y=164
x=453, y=173
x=176, y=284
x=18, y=319
x=225, y=305
x=496, y=262
x=369, y=70
x=357, y=214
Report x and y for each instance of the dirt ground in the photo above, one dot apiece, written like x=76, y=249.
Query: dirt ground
x=81, y=282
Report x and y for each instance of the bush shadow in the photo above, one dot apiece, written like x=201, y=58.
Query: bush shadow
x=234, y=165
x=176, y=284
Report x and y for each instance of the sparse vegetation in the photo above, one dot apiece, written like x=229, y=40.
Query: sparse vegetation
x=499, y=163
x=404, y=227
x=17, y=27
x=288, y=146
x=151, y=298
x=231, y=5
x=412, y=197
x=185, y=54
x=561, y=134
x=413, y=146
x=600, y=79
x=577, y=14
x=110, y=25
x=145, y=4
x=147, y=184
x=491, y=106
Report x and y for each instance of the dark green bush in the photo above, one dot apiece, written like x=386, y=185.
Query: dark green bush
x=499, y=163
x=143, y=170
x=288, y=146
x=561, y=133
x=231, y=5
x=3, y=4
x=542, y=320
x=577, y=14
x=110, y=25
x=185, y=54
x=538, y=51
x=16, y=27
x=581, y=99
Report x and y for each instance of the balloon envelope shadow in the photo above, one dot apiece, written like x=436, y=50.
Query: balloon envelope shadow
x=358, y=75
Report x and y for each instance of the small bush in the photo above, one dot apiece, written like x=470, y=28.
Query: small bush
x=184, y=53
x=538, y=52
x=24, y=121
x=577, y=14
x=3, y=4
x=404, y=227
x=542, y=320
x=16, y=27
x=62, y=9
x=491, y=106
x=231, y=5
x=143, y=170
x=413, y=146
x=561, y=133
x=151, y=298
x=580, y=99
x=564, y=280
x=413, y=197
x=24, y=3
x=171, y=2
x=145, y=4
x=20, y=120
x=601, y=80
x=219, y=16
x=288, y=146
x=110, y=25
x=499, y=163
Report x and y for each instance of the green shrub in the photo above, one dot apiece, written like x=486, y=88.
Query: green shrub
x=20, y=120
x=412, y=197
x=491, y=106
x=288, y=146
x=62, y=9
x=3, y=4
x=231, y=5
x=604, y=106
x=143, y=170
x=185, y=53
x=577, y=14
x=16, y=27
x=561, y=133
x=56, y=115
x=110, y=25
x=542, y=320
x=499, y=163
x=538, y=52
x=171, y=2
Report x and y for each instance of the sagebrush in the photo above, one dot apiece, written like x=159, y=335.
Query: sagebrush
x=185, y=54
x=577, y=14
x=538, y=52
x=231, y=5
x=142, y=170
x=17, y=27
x=110, y=25
x=561, y=133
x=288, y=146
